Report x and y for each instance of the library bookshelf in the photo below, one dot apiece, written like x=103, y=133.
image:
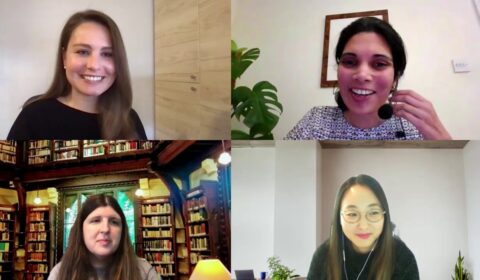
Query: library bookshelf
x=7, y=241
x=8, y=151
x=207, y=224
x=37, y=243
x=157, y=240
x=48, y=151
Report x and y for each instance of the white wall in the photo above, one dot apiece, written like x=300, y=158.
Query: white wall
x=426, y=195
x=289, y=34
x=295, y=203
x=30, y=33
x=253, y=191
x=471, y=157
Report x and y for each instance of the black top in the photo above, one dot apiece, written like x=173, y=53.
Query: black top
x=405, y=263
x=51, y=119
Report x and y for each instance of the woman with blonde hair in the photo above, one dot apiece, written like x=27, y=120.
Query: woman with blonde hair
x=99, y=246
x=91, y=93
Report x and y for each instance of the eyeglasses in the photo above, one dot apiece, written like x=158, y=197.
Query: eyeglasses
x=353, y=216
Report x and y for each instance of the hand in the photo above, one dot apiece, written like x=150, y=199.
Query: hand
x=419, y=111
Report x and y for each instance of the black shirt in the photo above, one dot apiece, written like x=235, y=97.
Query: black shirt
x=405, y=263
x=51, y=119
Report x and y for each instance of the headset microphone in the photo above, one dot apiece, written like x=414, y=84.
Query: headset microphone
x=385, y=111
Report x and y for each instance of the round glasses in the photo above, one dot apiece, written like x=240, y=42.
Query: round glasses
x=353, y=216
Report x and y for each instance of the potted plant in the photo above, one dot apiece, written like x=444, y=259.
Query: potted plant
x=257, y=108
x=279, y=271
x=461, y=272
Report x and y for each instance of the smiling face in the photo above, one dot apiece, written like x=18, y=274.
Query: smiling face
x=359, y=202
x=88, y=60
x=365, y=74
x=102, y=231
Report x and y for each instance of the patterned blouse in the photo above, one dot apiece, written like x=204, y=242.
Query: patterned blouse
x=328, y=123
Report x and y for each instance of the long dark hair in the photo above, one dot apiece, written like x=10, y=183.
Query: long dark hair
x=383, y=260
x=76, y=260
x=114, y=105
x=386, y=31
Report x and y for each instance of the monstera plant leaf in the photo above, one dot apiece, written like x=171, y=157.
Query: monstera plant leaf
x=257, y=108
x=241, y=61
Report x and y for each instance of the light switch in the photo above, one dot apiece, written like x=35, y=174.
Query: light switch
x=460, y=66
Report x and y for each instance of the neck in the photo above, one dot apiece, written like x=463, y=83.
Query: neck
x=80, y=102
x=100, y=262
x=361, y=120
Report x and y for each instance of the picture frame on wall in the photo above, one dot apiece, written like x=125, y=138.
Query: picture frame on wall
x=334, y=24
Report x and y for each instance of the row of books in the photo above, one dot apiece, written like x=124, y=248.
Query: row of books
x=5, y=236
x=7, y=146
x=38, y=257
x=36, y=247
x=163, y=208
x=4, y=226
x=93, y=151
x=196, y=203
x=4, y=246
x=195, y=257
x=156, y=233
x=37, y=236
x=165, y=269
x=200, y=243
x=157, y=221
x=7, y=158
x=38, y=160
x=197, y=229
x=37, y=267
x=157, y=244
x=39, y=144
x=37, y=226
x=39, y=152
x=72, y=154
x=36, y=277
x=200, y=215
x=66, y=144
x=160, y=257
x=5, y=257
x=37, y=216
x=5, y=216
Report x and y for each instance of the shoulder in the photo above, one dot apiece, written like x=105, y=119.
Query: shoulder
x=137, y=124
x=405, y=262
x=41, y=106
x=146, y=269
x=315, y=124
x=318, y=264
x=54, y=272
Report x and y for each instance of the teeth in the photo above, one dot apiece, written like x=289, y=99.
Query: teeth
x=92, y=78
x=362, y=91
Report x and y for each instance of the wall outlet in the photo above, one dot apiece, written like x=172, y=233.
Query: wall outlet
x=460, y=66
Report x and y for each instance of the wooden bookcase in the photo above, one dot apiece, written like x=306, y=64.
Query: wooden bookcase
x=8, y=151
x=207, y=224
x=7, y=241
x=157, y=240
x=47, y=151
x=37, y=247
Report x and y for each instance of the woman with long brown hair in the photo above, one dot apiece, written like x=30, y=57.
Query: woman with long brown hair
x=91, y=93
x=361, y=243
x=99, y=246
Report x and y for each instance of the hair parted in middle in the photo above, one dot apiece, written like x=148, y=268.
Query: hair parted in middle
x=114, y=105
x=75, y=263
x=383, y=261
x=381, y=28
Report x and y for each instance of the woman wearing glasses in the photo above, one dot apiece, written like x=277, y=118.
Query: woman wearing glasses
x=361, y=243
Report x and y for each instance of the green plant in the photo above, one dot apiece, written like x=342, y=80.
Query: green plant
x=461, y=272
x=279, y=271
x=257, y=108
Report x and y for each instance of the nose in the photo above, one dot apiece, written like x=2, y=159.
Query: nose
x=363, y=73
x=104, y=226
x=93, y=62
x=363, y=223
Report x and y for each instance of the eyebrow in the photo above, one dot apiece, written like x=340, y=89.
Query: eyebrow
x=90, y=47
x=375, y=56
x=110, y=217
x=370, y=205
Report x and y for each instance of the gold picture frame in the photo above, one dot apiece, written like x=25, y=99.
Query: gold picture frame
x=333, y=25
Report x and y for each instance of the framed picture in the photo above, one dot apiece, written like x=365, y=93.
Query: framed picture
x=333, y=26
